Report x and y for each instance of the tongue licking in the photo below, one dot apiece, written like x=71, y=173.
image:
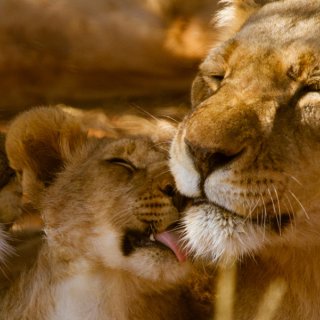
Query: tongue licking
x=171, y=240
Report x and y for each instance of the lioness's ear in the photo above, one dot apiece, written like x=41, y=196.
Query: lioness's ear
x=235, y=13
x=38, y=144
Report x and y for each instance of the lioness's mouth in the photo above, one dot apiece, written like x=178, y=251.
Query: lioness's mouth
x=166, y=240
x=274, y=222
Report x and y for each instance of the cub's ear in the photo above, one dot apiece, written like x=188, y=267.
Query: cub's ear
x=38, y=144
x=234, y=14
x=159, y=130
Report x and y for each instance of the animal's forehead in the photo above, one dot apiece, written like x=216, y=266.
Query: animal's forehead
x=285, y=28
x=283, y=22
x=140, y=151
x=297, y=57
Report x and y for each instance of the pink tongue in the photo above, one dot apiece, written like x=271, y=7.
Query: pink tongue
x=171, y=240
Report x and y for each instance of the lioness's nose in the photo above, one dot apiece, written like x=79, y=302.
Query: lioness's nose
x=219, y=135
x=207, y=160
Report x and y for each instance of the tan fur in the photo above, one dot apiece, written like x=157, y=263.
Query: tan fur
x=250, y=153
x=91, y=194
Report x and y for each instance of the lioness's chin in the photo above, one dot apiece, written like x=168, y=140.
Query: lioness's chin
x=218, y=235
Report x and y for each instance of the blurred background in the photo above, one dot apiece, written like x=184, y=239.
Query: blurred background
x=110, y=54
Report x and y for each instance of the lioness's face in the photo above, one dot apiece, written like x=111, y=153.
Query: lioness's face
x=249, y=151
x=113, y=204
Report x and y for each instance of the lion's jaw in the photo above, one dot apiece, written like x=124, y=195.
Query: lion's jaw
x=248, y=151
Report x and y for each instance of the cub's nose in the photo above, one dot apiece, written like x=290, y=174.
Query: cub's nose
x=167, y=187
x=209, y=160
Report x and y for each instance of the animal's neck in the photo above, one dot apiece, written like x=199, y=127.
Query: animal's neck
x=88, y=290
x=93, y=295
x=287, y=275
x=298, y=265
x=297, y=256
x=53, y=289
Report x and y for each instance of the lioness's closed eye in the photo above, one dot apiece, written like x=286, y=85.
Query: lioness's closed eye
x=108, y=207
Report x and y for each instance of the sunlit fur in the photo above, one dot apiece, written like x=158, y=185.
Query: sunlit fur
x=88, y=202
x=249, y=151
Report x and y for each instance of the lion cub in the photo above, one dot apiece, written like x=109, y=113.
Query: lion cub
x=107, y=206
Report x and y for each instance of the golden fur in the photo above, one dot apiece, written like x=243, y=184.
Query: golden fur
x=249, y=152
x=101, y=201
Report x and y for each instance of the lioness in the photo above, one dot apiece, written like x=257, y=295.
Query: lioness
x=249, y=153
x=106, y=205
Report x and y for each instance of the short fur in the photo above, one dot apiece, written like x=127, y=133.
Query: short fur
x=100, y=201
x=249, y=151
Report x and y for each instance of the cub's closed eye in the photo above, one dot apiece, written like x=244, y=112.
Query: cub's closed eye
x=123, y=163
x=217, y=77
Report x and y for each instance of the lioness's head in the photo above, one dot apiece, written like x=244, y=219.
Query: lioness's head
x=249, y=151
x=108, y=202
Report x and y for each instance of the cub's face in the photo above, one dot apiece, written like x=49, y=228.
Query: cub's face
x=111, y=204
x=249, y=151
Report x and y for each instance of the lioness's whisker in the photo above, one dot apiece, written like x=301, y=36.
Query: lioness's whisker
x=265, y=215
x=290, y=213
x=293, y=178
x=300, y=204
x=277, y=214
x=273, y=205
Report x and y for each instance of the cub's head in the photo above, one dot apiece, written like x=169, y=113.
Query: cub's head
x=249, y=150
x=110, y=202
